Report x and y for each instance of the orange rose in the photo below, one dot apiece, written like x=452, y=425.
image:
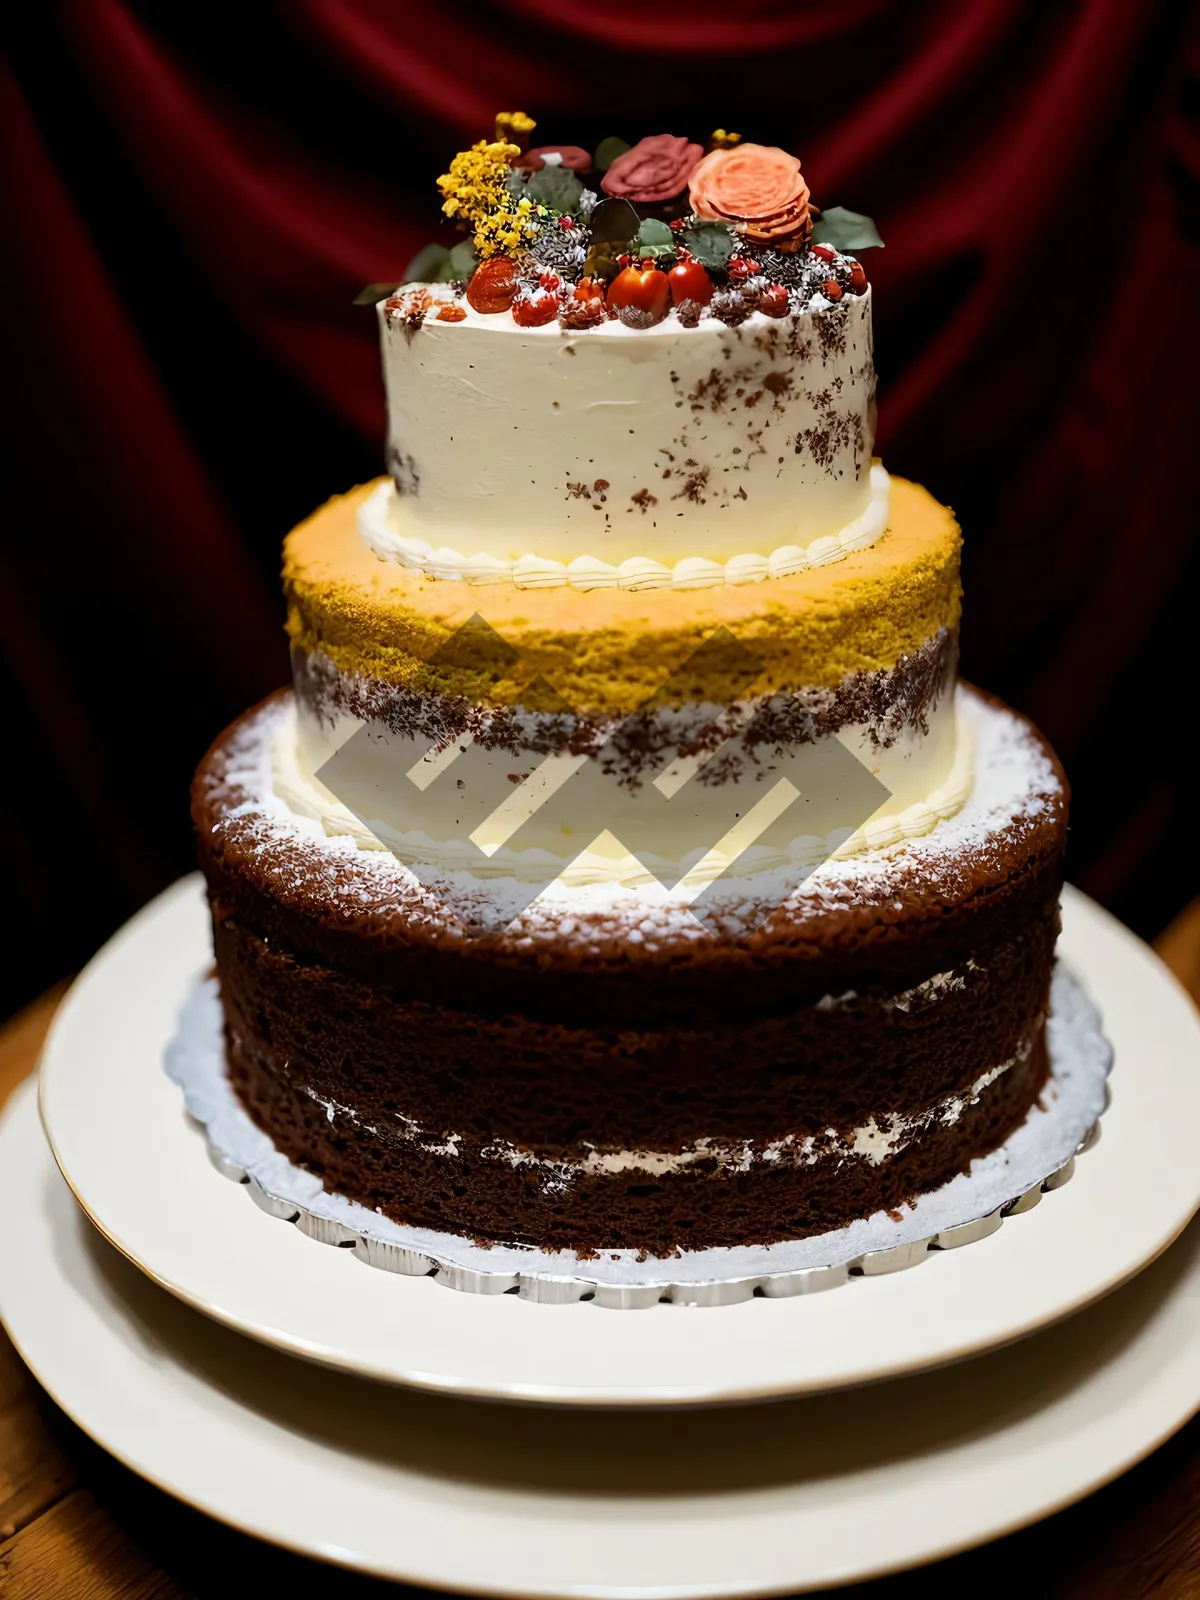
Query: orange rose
x=758, y=190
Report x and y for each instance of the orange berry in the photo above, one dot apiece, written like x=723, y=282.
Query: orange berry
x=493, y=286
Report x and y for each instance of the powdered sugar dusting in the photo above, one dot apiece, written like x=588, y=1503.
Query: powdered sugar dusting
x=1017, y=796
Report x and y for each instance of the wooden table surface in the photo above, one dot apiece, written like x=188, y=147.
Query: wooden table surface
x=74, y=1525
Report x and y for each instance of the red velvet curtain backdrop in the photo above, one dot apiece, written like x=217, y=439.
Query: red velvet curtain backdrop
x=194, y=194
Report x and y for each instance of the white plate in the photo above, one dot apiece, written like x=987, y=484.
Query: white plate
x=533, y=1501
x=140, y=1171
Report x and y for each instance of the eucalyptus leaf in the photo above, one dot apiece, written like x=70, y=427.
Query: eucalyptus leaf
x=556, y=187
x=846, y=230
x=374, y=292
x=514, y=182
x=463, y=259
x=607, y=152
x=711, y=244
x=426, y=264
x=654, y=238
x=654, y=232
x=614, y=221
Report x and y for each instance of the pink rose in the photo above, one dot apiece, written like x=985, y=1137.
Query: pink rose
x=656, y=169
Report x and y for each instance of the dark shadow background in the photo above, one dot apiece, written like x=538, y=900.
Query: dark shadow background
x=193, y=194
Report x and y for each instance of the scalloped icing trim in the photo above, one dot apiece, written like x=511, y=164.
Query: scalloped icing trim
x=308, y=797
x=637, y=573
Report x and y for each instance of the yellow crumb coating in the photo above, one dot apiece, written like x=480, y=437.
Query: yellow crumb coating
x=608, y=650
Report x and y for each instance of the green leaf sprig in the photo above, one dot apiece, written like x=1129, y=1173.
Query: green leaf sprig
x=653, y=238
x=710, y=243
x=847, y=231
x=436, y=263
x=556, y=187
x=606, y=152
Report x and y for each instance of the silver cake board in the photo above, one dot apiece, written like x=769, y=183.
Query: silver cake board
x=1038, y=1157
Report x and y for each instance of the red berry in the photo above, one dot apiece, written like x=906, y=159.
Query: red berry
x=493, y=286
x=773, y=301
x=550, y=280
x=566, y=224
x=641, y=289
x=624, y=260
x=678, y=224
x=858, y=278
x=831, y=289
x=824, y=252
x=540, y=308
x=590, y=289
x=741, y=267
x=689, y=281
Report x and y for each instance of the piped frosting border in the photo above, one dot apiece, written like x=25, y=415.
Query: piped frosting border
x=585, y=572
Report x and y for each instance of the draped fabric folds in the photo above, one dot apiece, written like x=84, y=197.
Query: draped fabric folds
x=192, y=197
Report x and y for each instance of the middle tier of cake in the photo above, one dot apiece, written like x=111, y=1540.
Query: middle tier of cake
x=489, y=701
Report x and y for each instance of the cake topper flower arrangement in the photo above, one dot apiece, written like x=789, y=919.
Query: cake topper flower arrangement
x=635, y=233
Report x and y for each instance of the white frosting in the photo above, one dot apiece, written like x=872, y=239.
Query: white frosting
x=929, y=776
x=661, y=445
x=383, y=512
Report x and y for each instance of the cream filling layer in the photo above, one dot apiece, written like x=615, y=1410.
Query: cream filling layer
x=381, y=522
x=874, y=1141
x=605, y=860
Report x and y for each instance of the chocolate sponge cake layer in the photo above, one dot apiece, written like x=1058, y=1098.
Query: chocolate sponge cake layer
x=485, y=1126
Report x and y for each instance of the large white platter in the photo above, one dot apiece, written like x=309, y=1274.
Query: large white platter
x=527, y=1500
x=139, y=1169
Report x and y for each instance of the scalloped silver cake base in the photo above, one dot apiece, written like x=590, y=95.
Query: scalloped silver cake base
x=1036, y=1159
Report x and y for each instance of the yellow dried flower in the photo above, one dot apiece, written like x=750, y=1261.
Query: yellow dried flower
x=475, y=183
x=505, y=230
x=474, y=191
x=720, y=140
x=514, y=127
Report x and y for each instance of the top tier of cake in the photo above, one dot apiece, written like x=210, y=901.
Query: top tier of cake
x=705, y=444
x=646, y=367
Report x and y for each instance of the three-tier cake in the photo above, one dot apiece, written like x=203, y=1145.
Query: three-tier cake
x=625, y=867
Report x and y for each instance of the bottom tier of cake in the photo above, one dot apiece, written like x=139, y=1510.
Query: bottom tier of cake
x=607, y=1073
